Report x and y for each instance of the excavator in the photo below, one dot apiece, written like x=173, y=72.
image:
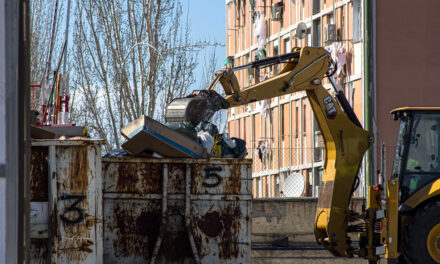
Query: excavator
x=401, y=221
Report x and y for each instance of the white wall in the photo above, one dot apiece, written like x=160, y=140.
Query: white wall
x=2, y=137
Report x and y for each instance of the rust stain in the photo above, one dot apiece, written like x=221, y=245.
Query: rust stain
x=39, y=249
x=52, y=227
x=224, y=224
x=39, y=174
x=84, y=246
x=61, y=184
x=197, y=177
x=210, y=224
x=176, y=178
x=233, y=183
x=138, y=178
x=176, y=247
x=196, y=236
x=228, y=247
x=76, y=251
x=147, y=225
x=53, y=222
x=78, y=169
x=136, y=232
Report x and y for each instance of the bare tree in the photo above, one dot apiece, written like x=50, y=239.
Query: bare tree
x=46, y=38
x=131, y=58
x=210, y=66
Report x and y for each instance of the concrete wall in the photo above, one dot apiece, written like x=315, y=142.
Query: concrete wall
x=277, y=218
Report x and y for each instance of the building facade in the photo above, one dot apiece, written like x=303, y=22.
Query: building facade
x=282, y=137
x=406, y=64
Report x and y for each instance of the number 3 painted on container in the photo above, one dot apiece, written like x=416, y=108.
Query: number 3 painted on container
x=73, y=207
x=210, y=172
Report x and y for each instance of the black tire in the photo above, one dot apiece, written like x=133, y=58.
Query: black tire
x=416, y=234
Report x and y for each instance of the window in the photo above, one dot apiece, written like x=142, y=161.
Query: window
x=237, y=128
x=281, y=113
x=331, y=19
x=302, y=10
x=276, y=66
x=250, y=71
x=309, y=182
x=244, y=127
x=317, y=180
x=357, y=21
x=266, y=186
x=316, y=6
x=259, y=187
x=304, y=130
x=296, y=119
x=316, y=33
x=423, y=156
x=287, y=47
x=304, y=117
x=277, y=186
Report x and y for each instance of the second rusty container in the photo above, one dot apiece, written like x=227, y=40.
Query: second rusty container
x=176, y=210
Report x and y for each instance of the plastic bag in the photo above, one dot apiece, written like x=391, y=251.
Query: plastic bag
x=240, y=150
x=206, y=140
x=228, y=141
x=185, y=128
x=208, y=127
x=117, y=153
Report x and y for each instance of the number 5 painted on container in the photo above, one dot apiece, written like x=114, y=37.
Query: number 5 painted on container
x=210, y=173
x=73, y=207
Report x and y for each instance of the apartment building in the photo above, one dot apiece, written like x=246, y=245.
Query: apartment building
x=281, y=134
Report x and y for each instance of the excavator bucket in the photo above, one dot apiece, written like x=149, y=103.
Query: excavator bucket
x=199, y=106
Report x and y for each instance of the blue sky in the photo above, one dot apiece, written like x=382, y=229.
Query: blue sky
x=207, y=20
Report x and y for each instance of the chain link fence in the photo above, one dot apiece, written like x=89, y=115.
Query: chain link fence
x=297, y=172
x=286, y=172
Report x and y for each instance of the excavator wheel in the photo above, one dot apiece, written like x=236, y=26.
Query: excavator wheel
x=421, y=242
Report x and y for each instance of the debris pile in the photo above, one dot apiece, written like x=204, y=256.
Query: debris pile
x=201, y=139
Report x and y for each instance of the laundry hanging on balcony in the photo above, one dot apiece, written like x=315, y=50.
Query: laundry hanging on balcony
x=260, y=30
x=338, y=53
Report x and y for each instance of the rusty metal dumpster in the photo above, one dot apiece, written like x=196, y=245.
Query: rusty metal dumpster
x=66, y=201
x=88, y=209
x=176, y=210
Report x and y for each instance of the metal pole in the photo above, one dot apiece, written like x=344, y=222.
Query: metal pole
x=2, y=138
x=369, y=85
x=16, y=21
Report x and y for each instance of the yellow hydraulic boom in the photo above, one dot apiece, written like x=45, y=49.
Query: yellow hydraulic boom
x=345, y=139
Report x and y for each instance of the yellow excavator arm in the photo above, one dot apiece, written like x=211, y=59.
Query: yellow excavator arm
x=345, y=139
